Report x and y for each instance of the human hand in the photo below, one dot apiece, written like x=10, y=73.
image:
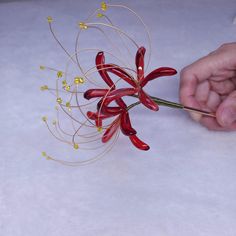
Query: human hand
x=210, y=84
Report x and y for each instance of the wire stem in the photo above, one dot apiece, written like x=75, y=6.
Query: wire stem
x=166, y=103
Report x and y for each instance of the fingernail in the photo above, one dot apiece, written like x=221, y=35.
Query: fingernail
x=195, y=116
x=228, y=116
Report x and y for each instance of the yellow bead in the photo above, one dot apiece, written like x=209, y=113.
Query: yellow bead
x=42, y=67
x=67, y=104
x=44, y=154
x=99, y=15
x=44, y=87
x=44, y=118
x=59, y=74
x=56, y=108
x=67, y=87
x=54, y=122
x=59, y=100
x=76, y=146
x=78, y=80
x=82, y=25
x=64, y=82
x=49, y=18
x=99, y=129
x=103, y=6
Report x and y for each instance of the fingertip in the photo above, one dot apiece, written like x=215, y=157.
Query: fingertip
x=195, y=116
x=226, y=112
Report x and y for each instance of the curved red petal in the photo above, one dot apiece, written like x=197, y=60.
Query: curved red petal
x=125, y=124
x=95, y=93
x=117, y=70
x=121, y=103
x=159, y=72
x=147, y=101
x=96, y=115
x=100, y=61
x=111, y=130
x=118, y=93
x=139, y=60
x=139, y=143
x=110, y=111
x=114, y=96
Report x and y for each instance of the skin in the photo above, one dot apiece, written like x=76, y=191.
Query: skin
x=210, y=84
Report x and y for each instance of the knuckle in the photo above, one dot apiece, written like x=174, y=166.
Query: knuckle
x=227, y=46
x=185, y=72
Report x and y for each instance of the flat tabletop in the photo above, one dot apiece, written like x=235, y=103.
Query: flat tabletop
x=184, y=185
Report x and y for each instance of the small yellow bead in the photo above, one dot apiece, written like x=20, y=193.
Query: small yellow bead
x=56, y=108
x=44, y=118
x=59, y=100
x=54, y=122
x=67, y=104
x=78, y=80
x=42, y=67
x=44, y=87
x=64, y=82
x=67, y=88
x=99, y=129
x=103, y=6
x=99, y=15
x=76, y=146
x=49, y=18
x=82, y=25
x=44, y=154
x=59, y=74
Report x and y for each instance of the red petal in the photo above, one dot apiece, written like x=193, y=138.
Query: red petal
x=111, y=111
x=139, y=143
x=121, y=103
x=120, y=73
x=162, y=71
x=111, y=130
x=98, y=122
x=100, y=60
x=115, y=95
x=147, y=101
x=125, y=124
x=95, y=93
x=96, y=115
x=139, y=60
x=118, y=93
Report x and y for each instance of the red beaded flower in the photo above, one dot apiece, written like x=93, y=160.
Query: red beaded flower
x=120, y=111
x=77, y=122
x=137, y=83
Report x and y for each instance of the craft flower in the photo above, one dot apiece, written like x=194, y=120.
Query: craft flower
x=95, y=125
x=137, y=83
x=104, y=111
x=108, y=96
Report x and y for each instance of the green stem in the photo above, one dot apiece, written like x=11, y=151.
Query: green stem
x=163, y=102
x=166, y=103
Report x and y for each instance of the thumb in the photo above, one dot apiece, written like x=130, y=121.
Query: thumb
x=226, y=112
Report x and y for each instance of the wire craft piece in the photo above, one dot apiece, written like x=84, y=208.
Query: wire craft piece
x=95, y=100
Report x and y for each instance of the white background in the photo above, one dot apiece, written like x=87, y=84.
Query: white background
x=184, y=185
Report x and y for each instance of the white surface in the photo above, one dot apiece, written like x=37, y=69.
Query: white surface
x=185, y=185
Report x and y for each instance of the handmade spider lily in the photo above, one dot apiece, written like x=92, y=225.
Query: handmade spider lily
x=108, y=96
x=96, y=124
x=139, y=82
